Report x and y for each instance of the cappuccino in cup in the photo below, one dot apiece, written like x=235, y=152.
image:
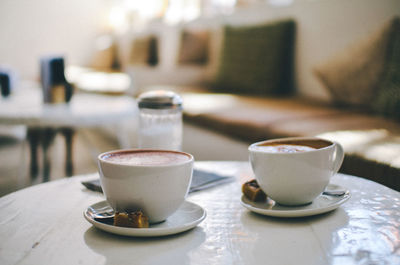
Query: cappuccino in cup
x=291, y=146
x=155, y=182
x=146, y=158
x=284, y=148
x=294, y=171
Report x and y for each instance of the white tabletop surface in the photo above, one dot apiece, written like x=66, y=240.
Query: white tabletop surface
x=25, y=106
x=44, y=224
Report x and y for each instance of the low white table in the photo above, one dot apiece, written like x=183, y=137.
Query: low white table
x=25, y=107
x=44, y=224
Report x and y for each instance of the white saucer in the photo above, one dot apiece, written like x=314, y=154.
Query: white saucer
x=322, y=204
x=186, y=217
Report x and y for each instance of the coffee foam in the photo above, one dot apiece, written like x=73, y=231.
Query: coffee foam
x=147, y=158
x=284, y=148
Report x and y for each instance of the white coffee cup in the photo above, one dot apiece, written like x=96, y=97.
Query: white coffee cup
x=295, y=177
x=153, y=181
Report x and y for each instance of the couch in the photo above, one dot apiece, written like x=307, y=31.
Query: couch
x=325, y=89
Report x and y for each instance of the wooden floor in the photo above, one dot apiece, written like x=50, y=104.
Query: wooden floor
x=88, y=143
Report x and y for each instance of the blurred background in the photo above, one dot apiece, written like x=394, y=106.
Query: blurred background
x=121, y=48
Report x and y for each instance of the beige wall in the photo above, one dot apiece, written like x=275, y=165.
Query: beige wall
x=32, y=28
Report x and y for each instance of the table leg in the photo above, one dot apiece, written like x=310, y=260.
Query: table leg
x=33, y=136
x=48, y=135
x=69, y=137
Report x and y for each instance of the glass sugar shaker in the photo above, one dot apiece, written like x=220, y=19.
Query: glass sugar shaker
x=160, y=120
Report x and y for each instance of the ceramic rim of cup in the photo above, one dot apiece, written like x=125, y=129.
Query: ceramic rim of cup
x=100, y=157
x=288, y=139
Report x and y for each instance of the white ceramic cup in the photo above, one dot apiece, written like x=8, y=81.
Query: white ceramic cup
x=156, y=189
x=295, y=178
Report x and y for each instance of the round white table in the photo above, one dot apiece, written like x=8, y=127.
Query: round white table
x=44, y=224
x=25, y=107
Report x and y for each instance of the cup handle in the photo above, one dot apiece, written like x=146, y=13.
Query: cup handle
x=339, y=156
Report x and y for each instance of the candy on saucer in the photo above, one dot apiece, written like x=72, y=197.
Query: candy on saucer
x=133, y=219
x=253, y=192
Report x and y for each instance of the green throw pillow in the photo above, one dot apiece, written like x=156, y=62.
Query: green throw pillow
x=257, y=59
x=388, y=96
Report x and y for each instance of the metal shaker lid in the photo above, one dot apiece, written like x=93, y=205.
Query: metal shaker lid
x=159, y=99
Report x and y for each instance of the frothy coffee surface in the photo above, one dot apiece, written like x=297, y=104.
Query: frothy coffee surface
x=147, y=158
x=284, y=148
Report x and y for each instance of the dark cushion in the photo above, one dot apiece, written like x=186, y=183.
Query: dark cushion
x=144, y=51
x=194, y=47
x=388, y=96
x=257, y=59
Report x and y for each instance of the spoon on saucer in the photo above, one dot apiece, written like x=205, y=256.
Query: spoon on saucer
x=101, y=213
x=336, y=193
